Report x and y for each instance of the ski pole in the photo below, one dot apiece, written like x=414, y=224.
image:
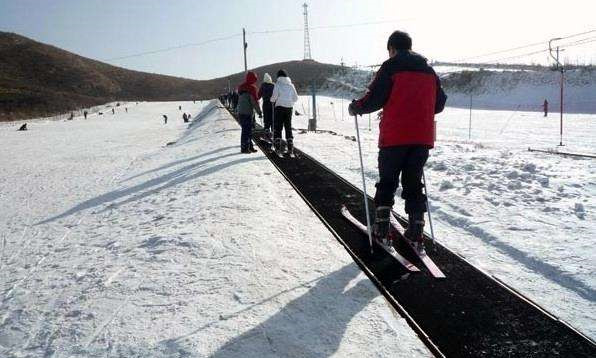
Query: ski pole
x=430, y=220
x=363, y=185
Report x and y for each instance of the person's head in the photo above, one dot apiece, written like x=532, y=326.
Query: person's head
x=267, y=78
x=251, y=77
x=281, y=73
x=397, y=41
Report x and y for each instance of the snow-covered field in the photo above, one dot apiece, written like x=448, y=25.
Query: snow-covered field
x=113, y=244
x=527, y=218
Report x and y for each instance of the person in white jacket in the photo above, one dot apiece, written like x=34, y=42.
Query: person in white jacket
x=284, y=96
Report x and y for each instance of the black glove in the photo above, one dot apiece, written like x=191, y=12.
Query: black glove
x=352, y=109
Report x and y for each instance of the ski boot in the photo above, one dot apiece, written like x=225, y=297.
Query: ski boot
x=252, y=149
x=277, y=146
x=415, y=230
x=381, y=225
x=290, y=149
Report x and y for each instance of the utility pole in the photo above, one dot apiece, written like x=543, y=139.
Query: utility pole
x=312, y=122
x=562, y=70
x=245, y=45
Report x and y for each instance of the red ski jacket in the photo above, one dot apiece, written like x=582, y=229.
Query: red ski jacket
x=410, y=93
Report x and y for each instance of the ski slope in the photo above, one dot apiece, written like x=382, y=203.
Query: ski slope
x=114, y=244
x=527, y=218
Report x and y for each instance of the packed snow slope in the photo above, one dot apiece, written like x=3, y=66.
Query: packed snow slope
x=527, y=218
x=492, y=89
x=116, y=245
x=523, y=90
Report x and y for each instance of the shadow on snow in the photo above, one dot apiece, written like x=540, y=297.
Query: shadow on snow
x=155, y=185
x=312, y=325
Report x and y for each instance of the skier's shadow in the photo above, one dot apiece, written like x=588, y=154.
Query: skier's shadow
x=311, y=325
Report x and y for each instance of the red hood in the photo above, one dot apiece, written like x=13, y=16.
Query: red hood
x=249, y=85
x=250, y=78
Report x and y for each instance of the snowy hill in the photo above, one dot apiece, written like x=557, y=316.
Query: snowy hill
x=522, y=90
x=490, y=89
x=115, y=244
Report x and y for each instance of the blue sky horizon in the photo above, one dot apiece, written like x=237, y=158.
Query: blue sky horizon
x=176, y=38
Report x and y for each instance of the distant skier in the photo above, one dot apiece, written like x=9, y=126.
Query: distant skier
x=85, y=114
x=545, y=107
x=23, y=127
x=410, y=94
x=179, y=108
x=165, y=119
x=113, y=111
x=126, y=109
x=184, y=117
x=248, y=103
x=284, y=97
x=265, y=92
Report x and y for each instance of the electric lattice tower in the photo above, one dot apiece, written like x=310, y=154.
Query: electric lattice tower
x=307, y=55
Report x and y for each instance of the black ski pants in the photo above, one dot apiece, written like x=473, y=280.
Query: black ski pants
x=282, y=120
x=246, y=134
x=407, y=161
x=267, y=114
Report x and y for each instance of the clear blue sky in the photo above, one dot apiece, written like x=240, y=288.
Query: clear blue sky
x=444, y=30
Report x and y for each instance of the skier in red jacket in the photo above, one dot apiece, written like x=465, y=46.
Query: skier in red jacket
x=410, y=94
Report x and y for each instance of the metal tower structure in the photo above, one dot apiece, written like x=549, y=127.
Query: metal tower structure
x=307, y=55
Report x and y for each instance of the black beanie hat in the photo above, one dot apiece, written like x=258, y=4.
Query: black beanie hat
x=282, y=73
x=400, y=40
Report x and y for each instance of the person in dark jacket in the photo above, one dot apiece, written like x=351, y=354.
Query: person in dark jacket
x=248, y=103
x=410, y=94
x=545, y=107
x=234, y=100
x=265, y=92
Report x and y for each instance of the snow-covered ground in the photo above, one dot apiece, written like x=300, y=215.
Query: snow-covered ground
x=528, y=218
x=113, y=244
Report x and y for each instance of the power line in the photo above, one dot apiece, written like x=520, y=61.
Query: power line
x=534, y=44
x=250, y=33
x=174, y=48
x=565, y=45
x=327, y=27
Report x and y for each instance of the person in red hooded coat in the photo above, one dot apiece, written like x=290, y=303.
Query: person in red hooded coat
x=248, y=103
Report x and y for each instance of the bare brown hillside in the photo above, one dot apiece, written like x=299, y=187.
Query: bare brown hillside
x=42, y=80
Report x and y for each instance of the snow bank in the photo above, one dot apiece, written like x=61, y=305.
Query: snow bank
x=116, y=244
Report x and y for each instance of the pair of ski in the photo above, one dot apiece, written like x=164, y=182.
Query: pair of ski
x=399, y=232
x=285, y=155
x=278, y=152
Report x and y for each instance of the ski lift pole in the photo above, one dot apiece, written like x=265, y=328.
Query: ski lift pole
x=368, y=228
x=430, y=220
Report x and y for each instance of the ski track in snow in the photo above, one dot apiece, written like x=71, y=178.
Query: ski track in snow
x=116, y=245
x=527, y=218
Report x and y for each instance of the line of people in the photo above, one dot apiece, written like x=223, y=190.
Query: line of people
x=409, y=93
x=278, y=103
